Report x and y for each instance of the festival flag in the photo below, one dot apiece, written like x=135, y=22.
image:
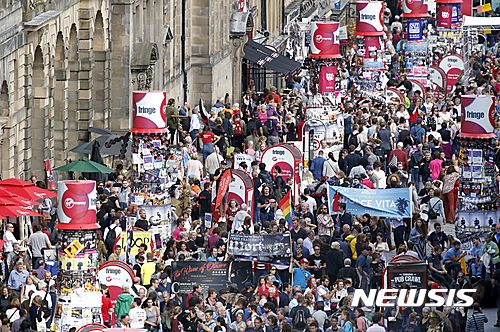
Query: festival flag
x=285, y=205
x=222, y=187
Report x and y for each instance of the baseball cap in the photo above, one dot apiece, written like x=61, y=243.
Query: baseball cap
x=303, y=260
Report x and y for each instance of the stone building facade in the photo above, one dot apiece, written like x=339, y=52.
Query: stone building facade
x=67, y=65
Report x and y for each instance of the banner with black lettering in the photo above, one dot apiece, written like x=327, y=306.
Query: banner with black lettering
x=217, y=275
x=265, y=247
x=414, y=275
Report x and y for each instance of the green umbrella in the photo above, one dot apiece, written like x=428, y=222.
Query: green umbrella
x=84, y=165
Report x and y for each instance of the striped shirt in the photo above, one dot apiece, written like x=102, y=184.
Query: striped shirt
x=475, y=322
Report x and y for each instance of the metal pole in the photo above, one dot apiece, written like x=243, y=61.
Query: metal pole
x=183, y=53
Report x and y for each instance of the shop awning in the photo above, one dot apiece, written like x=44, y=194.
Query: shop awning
x=267, y=58
x=480, y=22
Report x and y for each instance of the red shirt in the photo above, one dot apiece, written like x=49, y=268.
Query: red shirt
x=207, y=137
x=106, y=306
x=300, y=127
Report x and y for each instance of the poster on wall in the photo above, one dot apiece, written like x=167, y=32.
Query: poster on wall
x=328, y=80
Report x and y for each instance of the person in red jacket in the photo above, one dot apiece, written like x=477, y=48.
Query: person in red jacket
x=400, y=155
x=107, y=306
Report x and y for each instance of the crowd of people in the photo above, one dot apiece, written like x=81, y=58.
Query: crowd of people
x=411, y=145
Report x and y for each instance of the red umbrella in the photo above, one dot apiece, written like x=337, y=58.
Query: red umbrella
x=17, y=211
x=15, y=182
x=29, y=192
x=8, y=198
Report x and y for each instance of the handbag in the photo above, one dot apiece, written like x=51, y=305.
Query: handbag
x=431, y=213
x=394, y=161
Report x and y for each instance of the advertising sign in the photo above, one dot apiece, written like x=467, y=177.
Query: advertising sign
x=115, y=275
x=414, y=29
x=217, y=275
x=136, y=238
x=328, y=81
x=243, y=158
x=453, y=67
x=477, y=116
x=261, y=246
x=437, y=78
x=241, y=189
x=415, y=8
x=418, y=86
x=288, y=158
x=149, y=110
x=222, y=187
x=77, y=205
x=394, y=96
x=325, y=41
x=369, y=19
x=414, y=275
x=448, y=16
x=377, y=202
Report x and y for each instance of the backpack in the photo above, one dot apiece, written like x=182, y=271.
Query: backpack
x=353, y=329
x=380, y=153
x=267, y=179
x=431, y=213
x=353, y=140
x=238, y=128
x=299, y=319
x=109, y=242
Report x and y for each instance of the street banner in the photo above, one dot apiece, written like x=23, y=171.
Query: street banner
x=415, y=8
x=216, y=275
x=437, y=78
x=260, y=245
x=328, y=81
x=414, y=30
x=49, y=175
x=325, y=41
x=369, y=18
x=453, y=66
x=77, y=205
x=149, y=110
x=390, y=203
x=222, y=187
x=413, y=275
x=477, y=116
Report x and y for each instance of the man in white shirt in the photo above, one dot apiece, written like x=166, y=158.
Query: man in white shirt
x=213, y=161
x=42, y=291
x=194, y=168
x=239, y=218
x=137, y=315
x=9, y=239
x=376, y=320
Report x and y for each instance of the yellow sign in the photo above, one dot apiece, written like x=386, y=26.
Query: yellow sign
x=137, y=238
x=74, y=248
x=486, y=7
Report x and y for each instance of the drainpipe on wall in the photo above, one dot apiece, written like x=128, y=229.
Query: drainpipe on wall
x=183, y=52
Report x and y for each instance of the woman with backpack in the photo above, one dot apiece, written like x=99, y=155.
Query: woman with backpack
x=347, y=323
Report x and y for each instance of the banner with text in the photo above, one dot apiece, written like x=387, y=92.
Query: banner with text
x=391, y=203
x=261, y=246
x=217, y=275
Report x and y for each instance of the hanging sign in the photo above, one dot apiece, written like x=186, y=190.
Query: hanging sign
x=328, y=82
x=414, y=29
x=149, y=111
x=325, y=40
x=477, y=116
x=369, y=18
x=448, y=16
x=453, y=66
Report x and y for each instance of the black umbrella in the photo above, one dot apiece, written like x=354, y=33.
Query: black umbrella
x=95, y=156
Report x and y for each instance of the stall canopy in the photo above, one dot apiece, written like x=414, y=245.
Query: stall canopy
x=267, y=58
x=478, y=22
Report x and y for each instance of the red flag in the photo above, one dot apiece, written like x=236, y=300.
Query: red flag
x=224, y=181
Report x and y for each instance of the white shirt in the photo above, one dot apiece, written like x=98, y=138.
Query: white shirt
x=308, y=245
x=311, y=204
x=194, y=123
x=322, y=290
x=42, y=295
x=380, y=182
x=213, y=162
x=137, y=318
x=194, y=168
x=376, y=328
x=9, y=239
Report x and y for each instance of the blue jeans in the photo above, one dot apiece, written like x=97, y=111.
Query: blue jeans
x=208, y=148
x=415, y=177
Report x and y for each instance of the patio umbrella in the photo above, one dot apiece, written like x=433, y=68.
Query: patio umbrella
x=110, y=145
x=9, y=198
x=16, y=183
x=17, y=211
x=84, y=165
